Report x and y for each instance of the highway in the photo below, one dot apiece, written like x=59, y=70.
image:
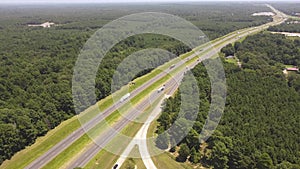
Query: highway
x=105, y=138
x=85, y=157
x=140, y=138
x=62, y=145
x=206, y=52
x=58, y=148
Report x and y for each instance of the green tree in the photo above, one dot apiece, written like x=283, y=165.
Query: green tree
x=162, y=140
x=192, y=139
x=287, y=165
x=183, y=152
x=237, y=45
x=228, y=50
x=195, y=156
x=264, y=161
x=219, y=155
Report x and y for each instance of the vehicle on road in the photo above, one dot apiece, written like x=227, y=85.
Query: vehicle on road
x=172, y=66
x=115, y=166
x=161, y=89
x=126, y=96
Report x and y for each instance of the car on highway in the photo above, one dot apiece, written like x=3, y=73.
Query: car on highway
x=115, y=166
x=126, y=96
x=161, y=89
x=172, y=66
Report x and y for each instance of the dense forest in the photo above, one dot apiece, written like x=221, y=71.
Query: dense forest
x=288, y=8
x=289, y=25
x=37, y=63
x=260, y=126
x=38, y=96
x=292, y=26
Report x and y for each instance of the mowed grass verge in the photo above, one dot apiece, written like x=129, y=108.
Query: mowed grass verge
x=42, y=144
x=75, y=149
x=136, y=161
x=165, y=159
x=106, y=159
x=79, y=145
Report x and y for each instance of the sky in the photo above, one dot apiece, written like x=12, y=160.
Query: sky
x=115, y=1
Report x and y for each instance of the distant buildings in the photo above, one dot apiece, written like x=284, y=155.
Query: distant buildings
x=263, y=14
x=201, y=37
x=230, y=57
x=287, y=33
x=297, y=14
x=291, y=69
x=293, y=22
x=44, y=25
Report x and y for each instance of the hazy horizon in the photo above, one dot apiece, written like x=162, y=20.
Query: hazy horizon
x=126, y=1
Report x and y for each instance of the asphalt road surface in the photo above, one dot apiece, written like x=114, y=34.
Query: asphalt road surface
x=105, y=138
x=140, y=138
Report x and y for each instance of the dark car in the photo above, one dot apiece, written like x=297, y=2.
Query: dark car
x=115, y=166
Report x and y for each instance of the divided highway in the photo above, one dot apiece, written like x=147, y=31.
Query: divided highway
x=86, y=156
x=82, y=160
x=105, y=138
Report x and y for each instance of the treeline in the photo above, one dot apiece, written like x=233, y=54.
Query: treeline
x=34, y=84
x=260, y=126
x=285, y=27
x=288, y=8
x=213, y=19
x=266, y=48
x=129, y=46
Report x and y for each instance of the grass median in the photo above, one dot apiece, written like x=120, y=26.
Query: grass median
x=106, y=159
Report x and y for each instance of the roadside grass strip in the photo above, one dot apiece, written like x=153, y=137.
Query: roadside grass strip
x=138, y=162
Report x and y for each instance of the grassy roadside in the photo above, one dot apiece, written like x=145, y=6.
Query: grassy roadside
x=79, y=145
x=106, y=159
x=66, y=156
x=163, y=160
x=109, y=100
x=138, y=162
x=42, y=144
